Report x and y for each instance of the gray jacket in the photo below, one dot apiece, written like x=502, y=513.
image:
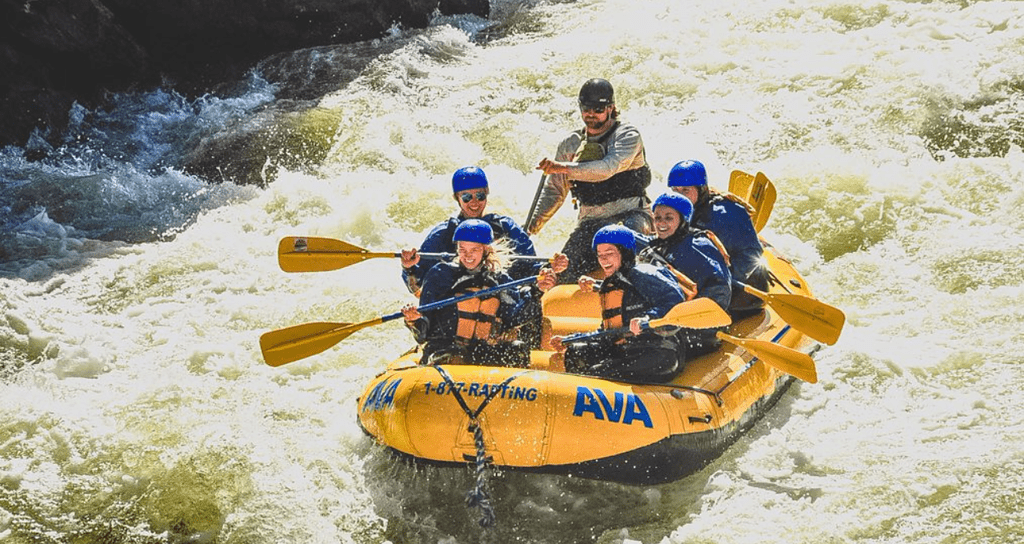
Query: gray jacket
x=624, y=150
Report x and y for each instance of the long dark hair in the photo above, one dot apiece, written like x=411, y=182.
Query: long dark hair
x=662, y=245
x=703, y=196
x=628, y=257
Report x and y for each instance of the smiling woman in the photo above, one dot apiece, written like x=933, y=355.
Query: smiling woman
x=494, y=331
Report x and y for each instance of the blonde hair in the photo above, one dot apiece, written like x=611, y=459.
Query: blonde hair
x=496, y=255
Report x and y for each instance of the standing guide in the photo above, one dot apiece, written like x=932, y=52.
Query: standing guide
x=604, y=166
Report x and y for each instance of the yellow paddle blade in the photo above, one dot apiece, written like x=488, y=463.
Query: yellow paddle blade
x=315, y=254
x=788, y=360
x=762, y=198
x=810, y=316
x=739, y=184
x=290, y=344
x=699, y=313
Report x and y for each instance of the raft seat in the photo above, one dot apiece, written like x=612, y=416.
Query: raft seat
x=561, y=324
x=547, y=360
x=569, y=301
x=558, y=325
x=568, y=310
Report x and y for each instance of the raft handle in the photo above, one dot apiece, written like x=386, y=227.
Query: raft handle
x=676, y=393
x=706, y=419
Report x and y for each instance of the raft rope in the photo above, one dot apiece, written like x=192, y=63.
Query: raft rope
x=479, y=496
x=772, y=278
x=717, y=395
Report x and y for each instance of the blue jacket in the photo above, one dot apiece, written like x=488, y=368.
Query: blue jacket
x=439, y=240
x=648, y=291
x=696, y=256
x=732, y=225
x=449, y=279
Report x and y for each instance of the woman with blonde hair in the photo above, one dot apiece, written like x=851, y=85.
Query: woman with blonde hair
x=484, y=330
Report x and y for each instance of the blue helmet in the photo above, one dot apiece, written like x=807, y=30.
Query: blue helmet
x=616, y=234
x=678, y=203
x=473, y=230
x=687, y=174
x=469, y=177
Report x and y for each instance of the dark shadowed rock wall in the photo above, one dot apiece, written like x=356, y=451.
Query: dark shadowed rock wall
x=54, y=52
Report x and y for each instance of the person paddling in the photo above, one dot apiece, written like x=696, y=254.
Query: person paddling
x=631, y=294
x=482, y=331
x=695, y=260
x=604, y=166
x=470, y=190
x=728, y=218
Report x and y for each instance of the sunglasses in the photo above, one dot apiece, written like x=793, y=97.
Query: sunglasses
x=468, y=197
x=594, y=109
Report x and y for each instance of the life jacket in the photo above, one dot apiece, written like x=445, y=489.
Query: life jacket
x=611, y=309
x=631, y=183
x=718, y=243
x=737, y=199
x=688, y=286
x=477, y=317
x=612, y=295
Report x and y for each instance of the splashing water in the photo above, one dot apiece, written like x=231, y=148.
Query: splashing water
x=136, y=407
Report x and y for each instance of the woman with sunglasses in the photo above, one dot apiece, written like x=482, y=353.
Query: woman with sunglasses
x=604, y=167
x=484, y=330
x=470, y=190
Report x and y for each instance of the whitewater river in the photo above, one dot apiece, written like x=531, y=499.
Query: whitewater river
x=135, y=406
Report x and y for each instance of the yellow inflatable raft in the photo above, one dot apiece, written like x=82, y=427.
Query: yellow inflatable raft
x=544, y=420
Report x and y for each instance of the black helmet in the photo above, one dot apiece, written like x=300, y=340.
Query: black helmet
x=597, y=92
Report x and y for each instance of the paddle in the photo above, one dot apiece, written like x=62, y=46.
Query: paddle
x=290, y=344
x=533, y=206
x=700, y=313
x=313, y=254
x=762, y=198
x=805, y=314
x=739, y=184
x=788, y=360
x=758, y=191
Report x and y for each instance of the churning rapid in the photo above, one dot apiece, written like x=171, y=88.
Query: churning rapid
x=135, y=405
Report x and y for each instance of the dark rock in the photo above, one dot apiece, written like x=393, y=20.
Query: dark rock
x=56, y=52
x=472, y=7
